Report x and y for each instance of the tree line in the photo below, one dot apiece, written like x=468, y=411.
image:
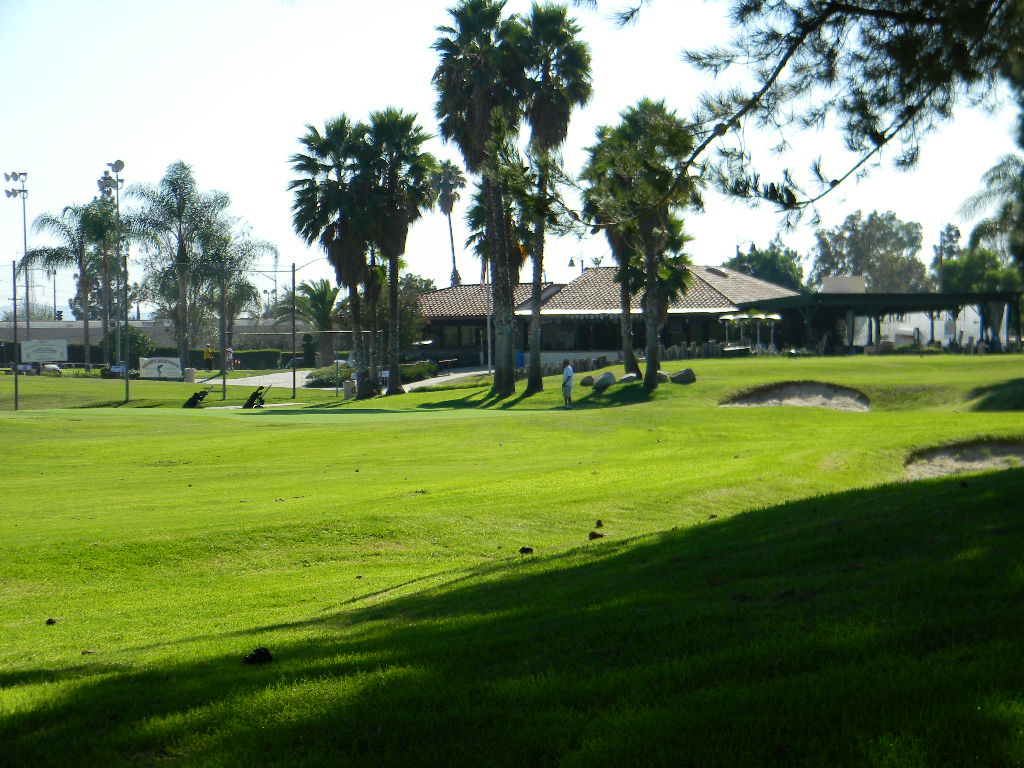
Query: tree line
x=884, y=73
x=195, y=257
x=885, y=251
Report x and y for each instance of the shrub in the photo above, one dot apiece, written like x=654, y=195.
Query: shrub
x=76, y=353
x=419, y=371
x=326, y=377
x=260, y=359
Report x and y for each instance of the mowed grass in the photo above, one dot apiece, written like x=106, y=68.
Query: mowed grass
x=769, y=591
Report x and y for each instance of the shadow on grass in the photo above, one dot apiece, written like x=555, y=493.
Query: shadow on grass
x=871, y=627
x=618, y=395
x=1004, y=396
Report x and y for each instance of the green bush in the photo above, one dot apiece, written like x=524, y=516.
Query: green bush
x=419, y=371
x=141, y=343
x=326, y=377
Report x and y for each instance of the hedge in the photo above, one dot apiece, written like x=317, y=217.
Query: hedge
x=258, y=358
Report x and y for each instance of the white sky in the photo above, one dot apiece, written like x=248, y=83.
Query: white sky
x=229, y=85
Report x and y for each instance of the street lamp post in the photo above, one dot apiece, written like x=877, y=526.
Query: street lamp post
x=14, y=325
x=111, y=185
x=22, y=193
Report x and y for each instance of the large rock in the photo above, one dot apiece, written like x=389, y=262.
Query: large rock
x=628, y=378
x=685, y=376
x=587, y=381
x=605, y=380
x=662, y=377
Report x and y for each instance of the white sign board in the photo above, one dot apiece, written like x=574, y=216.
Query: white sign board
x=55, y=351
x=844, y=284
x=159, y=368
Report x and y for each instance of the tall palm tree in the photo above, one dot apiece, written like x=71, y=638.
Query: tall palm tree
x=557, y=80
x=1003, y=192
x=398, y=174
x=627, y=258
x=635, y=169
x=73, y=231
x=101, y=220
x=479, y=82
x=447, y=180
x=316, y=303
x=241, y=296
x=328, y=210
x=175, y=217
x=219, y=277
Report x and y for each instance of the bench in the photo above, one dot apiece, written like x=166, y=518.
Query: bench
x=447, y=365
x=735, y=350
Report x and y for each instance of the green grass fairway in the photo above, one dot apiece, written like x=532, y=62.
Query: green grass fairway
x=769, y=590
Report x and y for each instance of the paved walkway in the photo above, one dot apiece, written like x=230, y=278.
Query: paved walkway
x=280, y=380
x=284, y=380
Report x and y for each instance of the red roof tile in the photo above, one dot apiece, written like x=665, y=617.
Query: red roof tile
x=712, y=289
x=473, y=300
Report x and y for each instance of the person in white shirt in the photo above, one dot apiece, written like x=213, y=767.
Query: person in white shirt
x=567, y=374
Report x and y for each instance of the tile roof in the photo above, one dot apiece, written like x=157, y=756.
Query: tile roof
x=713, y=289
x=738, y=287
x=473, y=300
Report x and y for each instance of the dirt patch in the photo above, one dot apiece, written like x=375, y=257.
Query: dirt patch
x=965, y=457
x=806, y=394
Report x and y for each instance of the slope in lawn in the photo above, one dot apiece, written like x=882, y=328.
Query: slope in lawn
x=872, y=627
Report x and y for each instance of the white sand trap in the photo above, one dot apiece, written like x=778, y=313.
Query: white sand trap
x=960, y=459
x=804, y=394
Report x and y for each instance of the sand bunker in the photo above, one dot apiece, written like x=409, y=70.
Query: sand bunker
x=966, y=457
x=807, y=394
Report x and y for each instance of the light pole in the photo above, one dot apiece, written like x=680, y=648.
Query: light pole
x=14, y=326
x=22, y=193
x=111, y=185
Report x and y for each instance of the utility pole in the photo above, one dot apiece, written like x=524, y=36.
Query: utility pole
x=22, y=193
x=108, y=184
x=15, y=356
x=223, y=331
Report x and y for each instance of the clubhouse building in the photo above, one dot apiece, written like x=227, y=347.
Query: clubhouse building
x=722, y=312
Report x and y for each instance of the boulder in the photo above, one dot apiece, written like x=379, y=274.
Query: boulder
x=605, y=380
x=662, y=377
x=685, y=376
x=628, y=378
x=587, y=381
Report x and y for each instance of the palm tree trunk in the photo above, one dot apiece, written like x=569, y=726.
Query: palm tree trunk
x=394, y=347
x=358, y=350
x=504, y=321
x=629, y=361
x=182, y=307
x=326, y=341
x=651, y=318
x=456, y=278
x=535, y=381
x=373, y=302
x=83, y=298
